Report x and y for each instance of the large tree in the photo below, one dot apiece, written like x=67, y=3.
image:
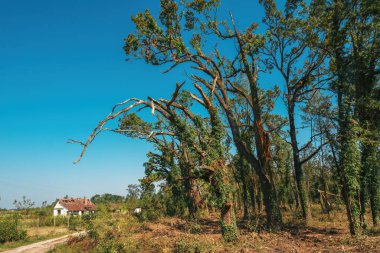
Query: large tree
x=162, y=41
x=291, y=50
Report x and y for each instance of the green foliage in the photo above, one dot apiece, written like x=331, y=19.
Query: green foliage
x=229, y=233
x=75, y=222
x=49, y=221
x=9, y=232
x=174, y=199
x=110, y=245
x=150, y=203
x=133, y=126
x=350, y=173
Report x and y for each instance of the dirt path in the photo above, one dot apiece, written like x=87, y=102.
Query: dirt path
x=44, y=246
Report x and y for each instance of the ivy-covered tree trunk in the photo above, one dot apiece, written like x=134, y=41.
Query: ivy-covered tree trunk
x=349, y=154
x=228, y=222
x=371, y=162
x=224, y=188
x=192, y=195
x=350, y=174
x=364, y=57
x=367, y=108
x=222, y=177
x=364, y=178
x=194, y=198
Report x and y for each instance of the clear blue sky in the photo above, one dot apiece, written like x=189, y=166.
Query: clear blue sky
x=62, y=69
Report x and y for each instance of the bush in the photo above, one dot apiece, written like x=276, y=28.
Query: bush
x=150, y=215
x=49, y=221
x=9, y=232
x=184, y=247
x=194, y=228
x=88, y=224
x=75, y=222
x=111, y=245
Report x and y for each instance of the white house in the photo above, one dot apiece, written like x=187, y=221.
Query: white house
x=71, y=206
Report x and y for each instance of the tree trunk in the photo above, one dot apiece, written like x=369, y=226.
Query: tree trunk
x=371, y=161
x=349, y=156
x=273, y=213
x=364, y=178
x=262, y=142
x=224, y=190
x=193, y=196
x=350, y=171
x=228, y=222
x=195, y=199
x=243, y=173
x=272, y=209
x=253, y=197
x=370, y=124
x=245, y=202
x=299, y=174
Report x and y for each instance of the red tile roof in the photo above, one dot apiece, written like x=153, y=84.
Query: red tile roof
x=75, y=205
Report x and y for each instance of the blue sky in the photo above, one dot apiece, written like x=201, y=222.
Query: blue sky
x=62, y=69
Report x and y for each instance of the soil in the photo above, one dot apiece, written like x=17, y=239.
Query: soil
x=161, y=236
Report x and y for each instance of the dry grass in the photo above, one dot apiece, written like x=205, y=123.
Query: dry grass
x=44, y=231
x=326, y=233
x=166, y=235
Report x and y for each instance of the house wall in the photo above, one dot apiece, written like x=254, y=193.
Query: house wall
x=57, y=207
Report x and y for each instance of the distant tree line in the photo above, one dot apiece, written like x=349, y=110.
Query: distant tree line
x=107, y=198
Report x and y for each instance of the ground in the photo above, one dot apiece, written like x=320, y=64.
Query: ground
x=172, y=233
x=326, y=233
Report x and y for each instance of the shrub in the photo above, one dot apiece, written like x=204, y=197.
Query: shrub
x=9, y=232
x=75, y=222
x=150, y=215
x=184, y=247
x=194, y=228
x=111, y=245
x=49, y=221
x=88, y=224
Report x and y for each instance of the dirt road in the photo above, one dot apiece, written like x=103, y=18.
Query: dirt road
x=44, y=246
